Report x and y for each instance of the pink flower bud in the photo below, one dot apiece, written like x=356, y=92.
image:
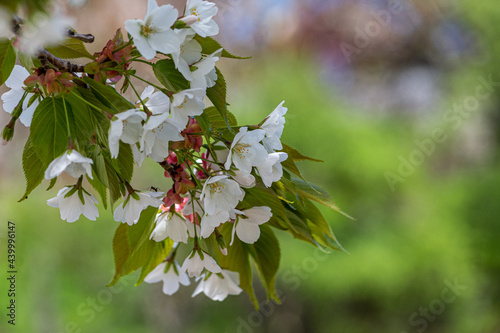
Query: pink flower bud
x=190, y=19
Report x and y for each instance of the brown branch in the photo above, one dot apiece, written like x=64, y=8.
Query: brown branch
x=86, y=38
x=62, y=65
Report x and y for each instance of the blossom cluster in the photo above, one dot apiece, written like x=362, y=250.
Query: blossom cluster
x=209, y=175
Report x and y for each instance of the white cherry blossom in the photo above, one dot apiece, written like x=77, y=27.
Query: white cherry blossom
x=172, y=226
x=171, y=279
x=185, y=104
x=155, y=33
x=271, y=170
x=204, y=11
x=71, y=161
x=273, y=126
x=197, y=204
x=246, y=151
x=244, y=179
x=139, y=156
x=156, y=102
x=130, y=210
x=247, y=227
x=218, y=288
x=12, y=97
x=159, y=131
x=194, y=264
x=210, y=222
x=125, y=126
x=189, y=53
x=72, y=207
x=220, y=194
x=204, y=76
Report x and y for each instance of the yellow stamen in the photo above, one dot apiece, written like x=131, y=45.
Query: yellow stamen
x=216, y=187
x=242, y=149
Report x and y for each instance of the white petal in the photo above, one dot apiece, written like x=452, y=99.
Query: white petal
x=57, y=166
x=258, y=215
x=170, y=282
x=17, y=77
x=11, y=99
x=157, y=274
x=148, y=91
x=90, y=210
x=210, y=264
x=27, y=115
x=247, y=232
x=165, y=42
x=152, y=6
x=164, y=17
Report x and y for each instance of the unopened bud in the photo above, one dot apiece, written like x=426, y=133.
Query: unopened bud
x=8, y=131
x=190, y=19
x=223, y=251
x=221, y=242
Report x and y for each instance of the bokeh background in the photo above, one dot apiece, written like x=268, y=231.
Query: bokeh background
x=400, y=100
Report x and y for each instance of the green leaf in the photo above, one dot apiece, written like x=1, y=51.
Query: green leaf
x=169, y=76
x=217, y=95
x=85, y=123
x=49, y=133
x=100, y=188
x=89, y=112
x=210, y=45
x=133, y=249
x=317, y=194
x=211, y=119
x=7, y=59
x=105, y=171
x=33, y=168
x=115, y=189
x=300, y=229
x=125, y=161
x=52, y=184
x=99, y=166
x=112, y=101
x=27, y=61
x=296, y=155
x=155, y=252
x=212, y=122
x=311, y=226
x=259, y=196
x=237, y=260
x=320, y=230
x=70, y=48
x=266, y=255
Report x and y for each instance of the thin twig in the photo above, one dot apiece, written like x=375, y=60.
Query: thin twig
x=86, y=38
x=60, y=64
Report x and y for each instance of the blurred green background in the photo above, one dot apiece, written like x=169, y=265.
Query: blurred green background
x=434, y=227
